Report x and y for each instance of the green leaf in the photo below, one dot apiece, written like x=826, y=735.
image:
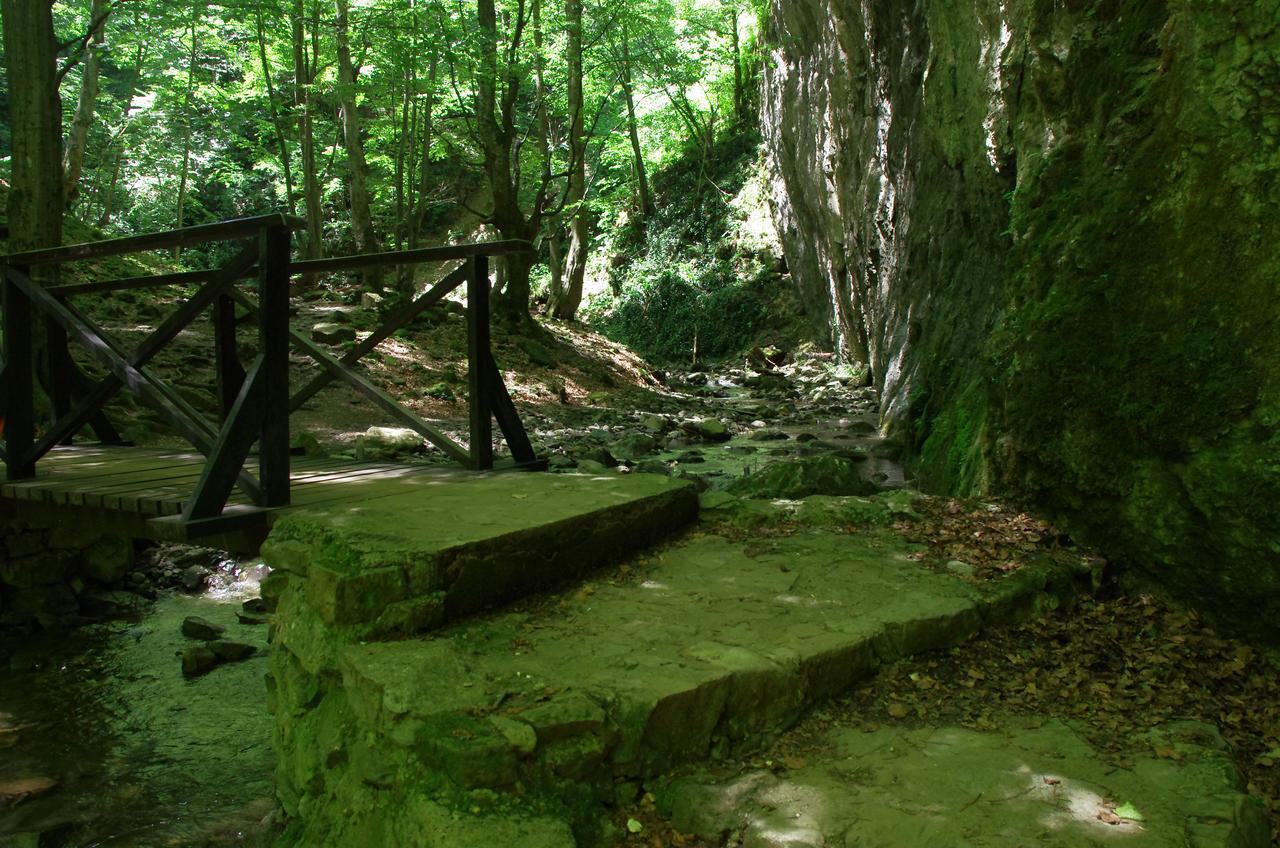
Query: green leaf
x=634, y=826
x=1130, y=812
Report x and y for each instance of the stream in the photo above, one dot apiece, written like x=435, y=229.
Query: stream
x=137, y=754
x=104, y=742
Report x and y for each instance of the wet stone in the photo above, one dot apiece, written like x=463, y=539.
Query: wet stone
x=195, y=627
x=198, y=660
x=228, y=651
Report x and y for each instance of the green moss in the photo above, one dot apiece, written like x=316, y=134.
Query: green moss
x=1127, y=381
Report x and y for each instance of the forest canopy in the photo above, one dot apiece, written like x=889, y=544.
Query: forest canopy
x=384, y=123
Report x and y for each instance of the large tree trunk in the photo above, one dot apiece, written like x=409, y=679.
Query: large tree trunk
x=357, y=168
x=496, y=140
x=633, y=130
x=78, y=138
x=302, y=80
x=564, y=304
x=35, y=123
x=35, y=120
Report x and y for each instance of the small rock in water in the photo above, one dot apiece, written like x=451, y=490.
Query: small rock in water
x=251, y=619
x=599, y=455
x=194, y=577
x=228, y=651
x=634, y=446
x=654, y=466
x=254, y=606
x=654, y=424
x=591, y=466
x=768, y=436
x=197, y=660
x=195, y=627
x=713, y=430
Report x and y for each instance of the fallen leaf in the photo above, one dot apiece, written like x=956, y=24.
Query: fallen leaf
x=1129, y=812
x=898, y=710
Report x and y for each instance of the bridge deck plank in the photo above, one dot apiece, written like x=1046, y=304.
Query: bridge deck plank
x=153, y=482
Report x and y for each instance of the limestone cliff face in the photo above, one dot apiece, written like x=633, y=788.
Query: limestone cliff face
x=1052, y=228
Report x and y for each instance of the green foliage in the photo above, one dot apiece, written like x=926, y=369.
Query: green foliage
x=687, y=286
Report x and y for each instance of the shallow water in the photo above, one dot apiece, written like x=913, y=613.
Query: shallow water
x=141, y=755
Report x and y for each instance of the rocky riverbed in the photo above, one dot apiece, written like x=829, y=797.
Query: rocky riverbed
x=105, y=741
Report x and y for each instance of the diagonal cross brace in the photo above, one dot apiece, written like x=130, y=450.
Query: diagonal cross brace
x=79, y=415
x=394, y=322
x=152, y=391
x=384, y=401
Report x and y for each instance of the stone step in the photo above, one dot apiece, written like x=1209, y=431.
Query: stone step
x=708, y=648
x=440, y=549
x=1026, y=783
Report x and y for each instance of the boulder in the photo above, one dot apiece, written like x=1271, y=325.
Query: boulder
x=195, y=627
x=713, y=430
x=795, y=479
x=634, y=446
x=328, y=332
x=387, y=443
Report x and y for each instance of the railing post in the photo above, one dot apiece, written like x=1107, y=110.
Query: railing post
x=226, y=354
x=61, y=376
x=19, y=414
x=273, y=337
x=478, y=354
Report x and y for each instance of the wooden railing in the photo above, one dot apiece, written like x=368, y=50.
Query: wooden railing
x=254, y=402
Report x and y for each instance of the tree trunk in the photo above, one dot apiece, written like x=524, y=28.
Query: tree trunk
x=633, y=129
x=565, y=306
x=73, y=158
x=302, y=80
x=196, y=10
x=496, y=140
x=35, y=116
x=357, y=168
x=36, y=192
x=418, y=214
x=275, y=113
x=739, y=98
x=105, y=218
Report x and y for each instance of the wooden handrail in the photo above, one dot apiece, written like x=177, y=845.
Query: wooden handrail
x=232, y=230
x=255, y=403
x=309, y=266
x=443, y=253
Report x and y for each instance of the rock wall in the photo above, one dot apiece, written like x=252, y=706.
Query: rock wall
x=1050, y=229
x=52, y=574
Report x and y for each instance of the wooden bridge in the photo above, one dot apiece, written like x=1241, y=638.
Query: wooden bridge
x=239, y=472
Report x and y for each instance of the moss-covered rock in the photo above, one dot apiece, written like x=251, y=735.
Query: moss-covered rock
x=1050, y=230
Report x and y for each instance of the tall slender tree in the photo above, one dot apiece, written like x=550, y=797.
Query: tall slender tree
x=564, y=303
x=353, y=142
x=86, y=103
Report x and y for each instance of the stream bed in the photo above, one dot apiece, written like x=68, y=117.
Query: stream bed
x=116, y=748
